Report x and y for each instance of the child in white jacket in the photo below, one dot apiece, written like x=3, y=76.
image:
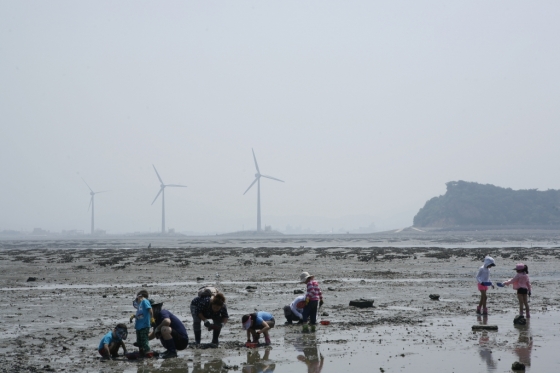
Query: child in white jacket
x=483, y=279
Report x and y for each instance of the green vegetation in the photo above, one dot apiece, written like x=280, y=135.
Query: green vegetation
x=475, y=204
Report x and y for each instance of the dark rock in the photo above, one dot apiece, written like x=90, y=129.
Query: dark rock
x=519, y=320
x=325, y=314
x=200, y=279
x=248, y=263
x=362, y=303
x=331, y=289
x=104, y=296
x=31, y=279
x=485, y=327
x=297, y=291
x=434, y=296
x=251, y=287
x=517, y=366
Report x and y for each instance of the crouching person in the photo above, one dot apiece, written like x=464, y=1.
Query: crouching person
x=293, y=311
x=113, y=341
x=256, y=324
x=169, y=330
x=205, y=308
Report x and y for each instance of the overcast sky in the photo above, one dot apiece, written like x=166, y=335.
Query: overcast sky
x=366, y=109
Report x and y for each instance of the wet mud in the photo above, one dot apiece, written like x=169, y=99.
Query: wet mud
x=83, y=288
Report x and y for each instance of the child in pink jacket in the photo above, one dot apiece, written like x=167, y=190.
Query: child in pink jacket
x=522, y=284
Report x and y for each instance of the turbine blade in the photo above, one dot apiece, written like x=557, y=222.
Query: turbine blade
x=157, y=195
x=86, y=184
x=103, y=191
x=255, y=158
x=273, y=178
x=161, y=181
x=176, y=185
x=253, y=183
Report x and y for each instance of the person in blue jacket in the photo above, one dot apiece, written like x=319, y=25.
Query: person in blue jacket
x=256, y=324
x=113, y=341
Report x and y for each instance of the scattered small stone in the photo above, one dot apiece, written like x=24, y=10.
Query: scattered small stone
x=200, y=279
x=104, y=295
x=362, y=303
x=144, y=285
x=330, y=288
x=297, y=291
x=324, y=313
x=248, y=263
x=485, y=327
x=517, y=366
x=251, y=287
x=434, y=296
x=29, y=279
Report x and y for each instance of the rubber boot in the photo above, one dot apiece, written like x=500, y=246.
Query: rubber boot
x=169, y=345
x=528, y=315
x=485, y=311
x=215, y=336
x=478, y=310
x=267, y=340
x=197, y=336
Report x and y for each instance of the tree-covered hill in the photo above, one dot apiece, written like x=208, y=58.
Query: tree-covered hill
x=468, y=204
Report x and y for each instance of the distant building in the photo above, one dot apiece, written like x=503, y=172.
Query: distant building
x=73, y=232
x=39, y=232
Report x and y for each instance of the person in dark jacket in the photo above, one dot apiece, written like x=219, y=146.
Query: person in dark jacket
x=205, y=308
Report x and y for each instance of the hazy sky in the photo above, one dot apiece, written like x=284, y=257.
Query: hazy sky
x=364, y=108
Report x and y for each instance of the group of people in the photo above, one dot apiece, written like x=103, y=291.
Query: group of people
x=521, y=283
x=208, y=308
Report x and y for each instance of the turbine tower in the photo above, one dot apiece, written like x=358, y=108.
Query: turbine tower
x=162, y=192
x=92, y=205
x=257, y=180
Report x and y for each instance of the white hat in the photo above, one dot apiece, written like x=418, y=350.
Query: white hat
x=304, y=276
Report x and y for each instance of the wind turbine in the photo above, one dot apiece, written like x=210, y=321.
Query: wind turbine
x=162, y=192
x=92, y=204
x=257, y=180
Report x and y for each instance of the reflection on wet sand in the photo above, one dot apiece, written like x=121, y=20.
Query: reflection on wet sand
x=524, y=344
x=257, y=365
x=485, y=343
x=168, y=366
x=312, y=357
x=214, y=365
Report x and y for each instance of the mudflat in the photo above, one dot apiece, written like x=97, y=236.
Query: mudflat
x=82, y=288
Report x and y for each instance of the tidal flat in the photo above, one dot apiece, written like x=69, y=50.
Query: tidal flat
x=83, y=288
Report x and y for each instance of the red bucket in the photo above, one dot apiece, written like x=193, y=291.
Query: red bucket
x=251, y=345
x=325, y=322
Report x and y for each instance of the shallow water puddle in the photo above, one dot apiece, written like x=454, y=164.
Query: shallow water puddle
x=446, y=345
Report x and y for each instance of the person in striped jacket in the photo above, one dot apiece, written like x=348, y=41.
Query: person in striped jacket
x=313, y=298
